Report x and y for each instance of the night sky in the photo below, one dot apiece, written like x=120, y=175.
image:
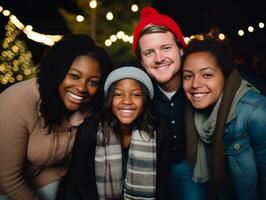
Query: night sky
x=193, y=17
x=229, y=16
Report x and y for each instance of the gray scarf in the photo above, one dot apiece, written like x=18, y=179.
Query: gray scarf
x=140, y=178
x=205, y=126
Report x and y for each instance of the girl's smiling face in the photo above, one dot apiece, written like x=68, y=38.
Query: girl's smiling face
x=128, y=101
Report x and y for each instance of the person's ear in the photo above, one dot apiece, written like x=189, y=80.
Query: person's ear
x=181, y=52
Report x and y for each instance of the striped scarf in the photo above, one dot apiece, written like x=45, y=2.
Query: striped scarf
x=140, y=178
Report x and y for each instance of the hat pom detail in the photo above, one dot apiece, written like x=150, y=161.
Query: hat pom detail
x=148, y=11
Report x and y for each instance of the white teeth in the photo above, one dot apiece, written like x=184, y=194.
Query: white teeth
x=79, y=98
x=198, y=94
x=126, y=111
x=162, y=66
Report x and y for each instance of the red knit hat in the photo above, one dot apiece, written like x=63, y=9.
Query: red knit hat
x=151, y=16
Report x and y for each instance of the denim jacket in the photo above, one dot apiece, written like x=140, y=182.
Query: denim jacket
x=245, y=147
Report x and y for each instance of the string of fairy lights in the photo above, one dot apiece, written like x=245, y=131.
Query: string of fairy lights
x=120, y=35
x=28, y=29
x=17, y=64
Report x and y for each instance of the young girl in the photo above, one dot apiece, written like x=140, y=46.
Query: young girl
x=226, y=128
x=121, y=154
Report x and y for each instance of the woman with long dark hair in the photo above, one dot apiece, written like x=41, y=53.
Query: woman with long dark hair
x=39, y=117
x=225, y=118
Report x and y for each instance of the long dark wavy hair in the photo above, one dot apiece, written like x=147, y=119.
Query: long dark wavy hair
x=54, y=66
x=145, y=122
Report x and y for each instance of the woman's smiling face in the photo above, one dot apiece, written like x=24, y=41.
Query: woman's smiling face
x=203, y=80
x=81, y=83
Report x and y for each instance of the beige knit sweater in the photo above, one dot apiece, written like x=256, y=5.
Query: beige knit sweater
x=30, y=157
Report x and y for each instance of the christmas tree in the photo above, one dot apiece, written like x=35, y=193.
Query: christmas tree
x=15, y=60
x=109, y=23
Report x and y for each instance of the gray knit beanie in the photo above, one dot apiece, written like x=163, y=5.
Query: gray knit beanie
x=129, y=72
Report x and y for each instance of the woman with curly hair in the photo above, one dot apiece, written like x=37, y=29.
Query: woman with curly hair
x=225, y=123
x=39, y=116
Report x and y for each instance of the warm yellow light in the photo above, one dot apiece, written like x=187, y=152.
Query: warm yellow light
x=27, y=72
x=19, y=77
x=134, y=8
x=4, y=81
x=250, y=29
x=108, y=42
x=6, y=13
x=261, y=25
x=8, y=67
x=131, y=39
x=5, y=45
x=7, y=76
x=11, y=80
x=1, y=8
x=28, y=28
x=14, y=24
x=120, y=34
x=192, y=37
x=113, y=38
x=221, y=36
x=125, y=38
x=15, y=63
x=186, y=40
x=2, y=68
x=241, y=32
x=80, y=18
x=93, y=3
x=109, y=16
x=4, y=54
x=15, y=68
x=45, y=39
x=15, y=49
x=14, y=20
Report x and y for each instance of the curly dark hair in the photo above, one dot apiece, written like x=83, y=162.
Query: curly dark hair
x=219, y=49
x=54, y=66
x=145, y=122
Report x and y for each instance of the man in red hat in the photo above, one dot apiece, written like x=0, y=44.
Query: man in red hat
x=158, y=44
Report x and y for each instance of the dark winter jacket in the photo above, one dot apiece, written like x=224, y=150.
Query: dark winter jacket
x=80, y=181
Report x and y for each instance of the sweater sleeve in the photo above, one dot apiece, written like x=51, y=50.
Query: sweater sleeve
x=15, y=111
